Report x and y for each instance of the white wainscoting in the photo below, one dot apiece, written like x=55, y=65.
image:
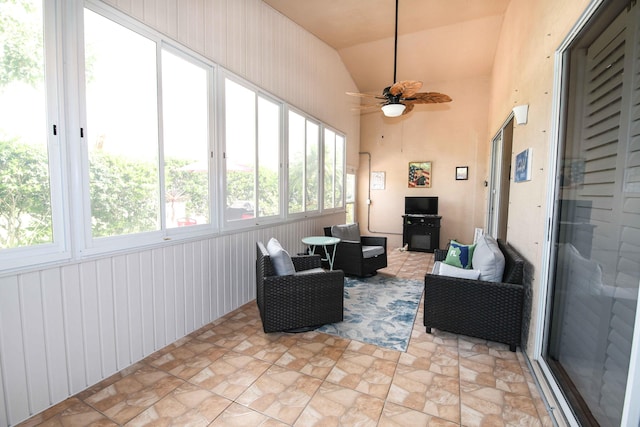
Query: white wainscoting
x=65, y=328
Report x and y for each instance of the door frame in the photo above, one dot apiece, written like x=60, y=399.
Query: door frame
x=500, y=180
x=551, y=390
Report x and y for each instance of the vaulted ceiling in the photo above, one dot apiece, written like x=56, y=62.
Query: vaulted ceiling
x=438, y=40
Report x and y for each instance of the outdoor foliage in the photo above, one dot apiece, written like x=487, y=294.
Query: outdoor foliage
x=124, y=195
x=25, y=205
x=21, y=41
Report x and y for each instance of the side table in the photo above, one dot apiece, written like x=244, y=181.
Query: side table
x=323, y=241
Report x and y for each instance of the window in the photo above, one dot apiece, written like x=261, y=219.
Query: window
x=304, y=141
x=140, y=180
x=122, y=128
x=30, y=208
x=142, y=157
x=252, y=154
x=186, y=141
x=333, y=170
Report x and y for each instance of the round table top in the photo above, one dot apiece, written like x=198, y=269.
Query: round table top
x=320, y=240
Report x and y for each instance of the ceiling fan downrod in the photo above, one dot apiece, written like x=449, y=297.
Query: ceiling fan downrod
x=395, y=46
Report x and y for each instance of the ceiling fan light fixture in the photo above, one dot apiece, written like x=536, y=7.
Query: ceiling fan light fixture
x=393, y=110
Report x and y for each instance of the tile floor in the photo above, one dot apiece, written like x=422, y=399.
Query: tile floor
x=230, y=373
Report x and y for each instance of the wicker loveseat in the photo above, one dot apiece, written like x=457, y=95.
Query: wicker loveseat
x=487, y=310
x=308, y=298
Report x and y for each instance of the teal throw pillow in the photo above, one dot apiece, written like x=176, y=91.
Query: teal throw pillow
x=459, y=255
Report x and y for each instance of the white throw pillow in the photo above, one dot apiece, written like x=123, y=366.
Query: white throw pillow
x=488, y=258
x=442, y=269
x=280, y=258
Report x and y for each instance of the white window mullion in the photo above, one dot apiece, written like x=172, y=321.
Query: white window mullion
x=161, y=164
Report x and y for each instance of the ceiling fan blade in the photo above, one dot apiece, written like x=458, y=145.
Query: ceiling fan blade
x=406, y=88
x=427, y=98
x=367, y=106
x=364, y=95
x=408, y=108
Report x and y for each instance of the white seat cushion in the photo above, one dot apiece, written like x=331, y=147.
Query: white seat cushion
x=280, y=258
x=442, y=269
x=371, y=251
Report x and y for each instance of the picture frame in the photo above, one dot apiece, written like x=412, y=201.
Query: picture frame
x=523, y=166
x=377, y=180
x=420, y=175
x=462, y=173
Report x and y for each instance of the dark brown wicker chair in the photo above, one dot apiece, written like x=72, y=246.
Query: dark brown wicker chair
x=487, y=310
x=350, y=259
x=298, y=301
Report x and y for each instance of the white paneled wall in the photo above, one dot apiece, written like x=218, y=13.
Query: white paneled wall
x=66, y=328
x=258, y=43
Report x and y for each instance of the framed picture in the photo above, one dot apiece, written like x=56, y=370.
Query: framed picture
x=420, y=175
x=462, y=173
x=377, y=180
x=523, y=166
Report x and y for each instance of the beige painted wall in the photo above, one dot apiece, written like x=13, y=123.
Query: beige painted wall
x=448, y=135
x=523, y=74
x=460, y=134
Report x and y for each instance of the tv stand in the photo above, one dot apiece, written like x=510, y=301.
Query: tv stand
x=421, y=232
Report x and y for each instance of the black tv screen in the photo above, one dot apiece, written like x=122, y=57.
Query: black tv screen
x=421, y=206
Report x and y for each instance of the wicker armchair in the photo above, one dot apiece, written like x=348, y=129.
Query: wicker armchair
x=351, y=258
x=488, y=310
x=298, y=301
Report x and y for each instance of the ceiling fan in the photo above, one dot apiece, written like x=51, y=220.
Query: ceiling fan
x=400, y=98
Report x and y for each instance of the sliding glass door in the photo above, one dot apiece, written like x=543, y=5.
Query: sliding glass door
x=596, y=272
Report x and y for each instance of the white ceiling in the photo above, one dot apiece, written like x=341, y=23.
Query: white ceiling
x=438, y=40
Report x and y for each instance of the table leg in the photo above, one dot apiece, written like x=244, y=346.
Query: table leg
x=330, y=257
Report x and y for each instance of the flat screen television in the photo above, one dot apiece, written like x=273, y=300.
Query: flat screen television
x=421, y=205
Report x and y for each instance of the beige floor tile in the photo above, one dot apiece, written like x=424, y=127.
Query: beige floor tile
x=437, y=358
x=482, y=405
x=187, y=405
x=240, y=416
x=197, y=363
x=263, y=346
x=314, y=355
x=363, y=373
x=230, y=375
x=131, y=395
x=334, y=405
x=280, y=393
x=426, y=392
x=71, y=413
x=313, y=379
x=399, y=416
x=374, y=350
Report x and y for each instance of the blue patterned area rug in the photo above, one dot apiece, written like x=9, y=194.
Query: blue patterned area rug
x=378, y=310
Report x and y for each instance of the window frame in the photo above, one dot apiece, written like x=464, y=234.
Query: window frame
x=58, y=248
x=228, y=224
x=304, y=212
x=68, y=152
x=91, y=245
x=336, y=134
